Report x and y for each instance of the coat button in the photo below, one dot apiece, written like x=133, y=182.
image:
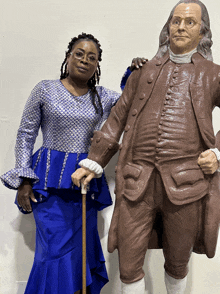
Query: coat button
x=110, y=146
x=120, y=146
x=158, y=63
x=127, y=128
x=150, y=80
x=98, y=140
x=134, y=112
x=142, y=96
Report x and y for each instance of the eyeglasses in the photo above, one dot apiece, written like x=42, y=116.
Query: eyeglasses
x=189, y=23
x=81, y=55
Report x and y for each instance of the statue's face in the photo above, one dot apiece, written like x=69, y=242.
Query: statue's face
x=185, y=28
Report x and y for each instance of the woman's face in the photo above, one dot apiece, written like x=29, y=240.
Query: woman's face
x=82, y=61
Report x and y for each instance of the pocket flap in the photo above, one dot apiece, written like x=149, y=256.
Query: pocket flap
x=187, y=176
x=132, y=171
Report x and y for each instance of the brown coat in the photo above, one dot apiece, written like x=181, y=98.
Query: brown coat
x=183, y=179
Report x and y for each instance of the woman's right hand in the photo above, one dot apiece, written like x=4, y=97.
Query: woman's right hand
x=25, y=193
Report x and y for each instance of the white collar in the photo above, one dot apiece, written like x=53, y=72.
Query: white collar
x=182, y=58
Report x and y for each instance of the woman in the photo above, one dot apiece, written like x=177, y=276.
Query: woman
x=67, y=111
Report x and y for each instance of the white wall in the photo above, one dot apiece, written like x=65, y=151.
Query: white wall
x=34, y=36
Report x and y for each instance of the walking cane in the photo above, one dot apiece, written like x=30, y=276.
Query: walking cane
x=83, y=192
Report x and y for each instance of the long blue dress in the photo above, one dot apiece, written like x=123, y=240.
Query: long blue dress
x=67, y=123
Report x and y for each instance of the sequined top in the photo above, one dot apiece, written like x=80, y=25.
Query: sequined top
x=67, y=123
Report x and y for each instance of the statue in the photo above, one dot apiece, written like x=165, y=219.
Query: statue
x=167, y=186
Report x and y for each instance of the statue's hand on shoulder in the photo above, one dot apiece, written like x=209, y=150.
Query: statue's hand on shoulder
x=137, y=62
x=208, y=162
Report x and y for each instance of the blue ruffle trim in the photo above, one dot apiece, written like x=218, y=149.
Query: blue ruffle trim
x=51, y=173
x=59, y=276
x=57, y=266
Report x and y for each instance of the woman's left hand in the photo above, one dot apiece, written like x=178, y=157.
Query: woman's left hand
x=137, y=62
x=25, y=194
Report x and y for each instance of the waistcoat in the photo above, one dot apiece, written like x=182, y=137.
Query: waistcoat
x=167, y=128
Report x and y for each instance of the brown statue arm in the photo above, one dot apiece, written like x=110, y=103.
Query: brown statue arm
x=105, y=142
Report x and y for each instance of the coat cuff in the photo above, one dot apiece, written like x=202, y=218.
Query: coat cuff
x=103, y=148
x=92, y=166
x=217, y=153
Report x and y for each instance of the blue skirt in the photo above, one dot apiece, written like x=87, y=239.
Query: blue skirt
x=57, y=267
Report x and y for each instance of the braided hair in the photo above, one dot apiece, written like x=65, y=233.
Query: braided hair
x=95, y=78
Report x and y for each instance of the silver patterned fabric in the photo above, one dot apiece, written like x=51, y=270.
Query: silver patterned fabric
x=67, y=123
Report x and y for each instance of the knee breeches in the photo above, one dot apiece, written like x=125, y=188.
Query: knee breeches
x=180, y=228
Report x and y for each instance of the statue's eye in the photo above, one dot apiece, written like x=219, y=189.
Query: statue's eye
x=175, y=22
x=190, y=23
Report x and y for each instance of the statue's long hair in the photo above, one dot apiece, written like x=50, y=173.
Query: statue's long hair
x=95, y=78
x=204, y=46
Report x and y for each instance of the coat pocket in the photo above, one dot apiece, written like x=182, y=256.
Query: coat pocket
x=187, y=176
x=135, y=181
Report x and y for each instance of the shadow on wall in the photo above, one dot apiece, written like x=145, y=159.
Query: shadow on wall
x=21, y=287
x=24, y=225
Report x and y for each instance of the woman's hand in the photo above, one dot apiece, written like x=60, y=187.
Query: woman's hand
x=25, y=193
x=82, y=173
x=137, y=63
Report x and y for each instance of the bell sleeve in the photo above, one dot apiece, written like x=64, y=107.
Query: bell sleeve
x=26, y=136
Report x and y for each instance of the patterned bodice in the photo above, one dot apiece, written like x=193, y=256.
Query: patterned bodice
x=67, y=123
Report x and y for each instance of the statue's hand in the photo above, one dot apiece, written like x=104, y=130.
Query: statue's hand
x=208, y=162
x=137, y=63
x=82, y=173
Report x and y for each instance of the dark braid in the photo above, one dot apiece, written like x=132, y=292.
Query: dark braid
x=96, y=77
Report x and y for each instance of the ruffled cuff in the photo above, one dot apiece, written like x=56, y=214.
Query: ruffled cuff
x=92, y=166
x=217, y=153
x=13, y=178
